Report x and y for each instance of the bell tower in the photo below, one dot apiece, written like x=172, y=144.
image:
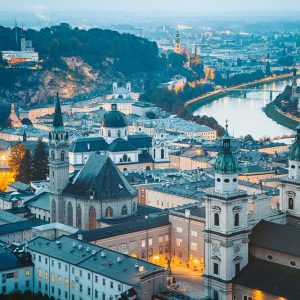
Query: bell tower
x=177, y=46
x=226, y=232
x=58, y=164
x=294, y=84
x=289, y=188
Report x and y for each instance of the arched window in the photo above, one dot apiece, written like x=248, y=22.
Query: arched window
x=119, y=133
x=125, y=157
x=52, y=155
x=124, y=210
x=109, y=133
x=78, y=216
x=125, y=132
x=70, y=214
x=109, y=212
x=216, y=219
x=148, y=168
x=92, y=218
x=236, y=219
x=53, y=211
x=134, y=207
x=291, y=203
x=154, y=153
x=62, y=156
x=162, y=153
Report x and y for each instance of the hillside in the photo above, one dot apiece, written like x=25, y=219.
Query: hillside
x=76, y=61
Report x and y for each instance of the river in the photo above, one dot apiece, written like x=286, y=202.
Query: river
x=245, y=115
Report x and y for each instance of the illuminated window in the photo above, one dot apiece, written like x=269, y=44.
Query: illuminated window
x=150, y=241
x=73, y=284
x=161, y=239
x=46, y=275
x=179, y=229
x=58, y=280
x=40, y=272
x=194, y=246
x=178, y=242
x=66, y=282
x=166, y=238
x=194, y=233
x=52, y=277
x=27, y=272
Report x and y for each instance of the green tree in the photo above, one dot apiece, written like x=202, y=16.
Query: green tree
x=25, y=170
x=16, y=156
x=177, y=60
x=268, y=69
x=39, y=162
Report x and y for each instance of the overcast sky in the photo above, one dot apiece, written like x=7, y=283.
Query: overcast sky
x=152, y=5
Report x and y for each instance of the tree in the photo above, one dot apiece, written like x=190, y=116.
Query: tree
x=25, y=170
x=39, y=162
x=16, y=156
x=177, y=60
x=248, y=137
x=268, y=69
x=150, y=114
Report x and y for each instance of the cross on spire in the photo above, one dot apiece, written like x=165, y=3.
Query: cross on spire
x=58, y=120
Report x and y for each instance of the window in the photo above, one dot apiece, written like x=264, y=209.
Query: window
x=66, y=268
x=269, y=257
x=234, y=179
x=66, y=282
x=179, y=229
x=216, y=268
x=103, y=296
x=237, y=268
x=109, y=133
x=46, y=260
x=52, y=155
x=119, y=133
x=58, y=280
x=124, y=210
x=119, y=287
x=27, y=272
x=78, y=216
x=46, y=274
x=52, y=277
x=150, y=241
x=66, y=295
x=103, y=281
x=96, y=294
x=70, y=214
x=109, y=212
x=27, y=283
x=73, y=284
x=92, y=218
x=291, y=203
x=89, y=291
x=219, y=179
x=226, y=180
x=160, y=239
x=132, y=245
x=150, y=252
x=40, y=259
x=125, y=157
x=292, y=263
x=89, y=276
x=80, y=288
x=59, y=292
x=96, y=278
x=162, y=153
x=236, y=219
x=161, y=250
x=293, y=166
x=216, y=295
x=59, y=265
x=16, y=285
x=194, y=233
x=178, y=242
x=143, y=254
x=216, y=219
x=111, y=285
x=143, y=243
x=133, y=207
x=194, y=246
x=62, y=156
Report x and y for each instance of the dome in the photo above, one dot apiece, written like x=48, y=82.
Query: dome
x=114, y=119
x=226, y=162
x=294, y=153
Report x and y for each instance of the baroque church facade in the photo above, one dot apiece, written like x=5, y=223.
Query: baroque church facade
x=97, y=192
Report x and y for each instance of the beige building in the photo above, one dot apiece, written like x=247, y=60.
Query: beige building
x=187, y=238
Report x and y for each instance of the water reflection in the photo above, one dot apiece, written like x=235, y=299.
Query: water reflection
x=245, y=114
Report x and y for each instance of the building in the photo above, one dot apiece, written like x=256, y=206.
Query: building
x=16, y=271
x=68, y=268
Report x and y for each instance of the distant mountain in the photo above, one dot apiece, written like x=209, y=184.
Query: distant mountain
x=76, y=61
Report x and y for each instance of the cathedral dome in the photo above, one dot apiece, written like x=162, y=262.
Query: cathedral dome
x=294, y=153
x=114, y=119
x=226, y=162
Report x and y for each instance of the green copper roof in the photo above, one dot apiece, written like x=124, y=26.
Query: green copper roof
x=294, y=153
x=58, y=120
x=226, y=162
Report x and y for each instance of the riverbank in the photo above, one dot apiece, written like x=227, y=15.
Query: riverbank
x=200, y=101
x=272, y=113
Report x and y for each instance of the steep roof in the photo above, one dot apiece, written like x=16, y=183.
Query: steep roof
x=276, y=237
x=58, y=120
x=140, y=140
x=89, y=144
x=9, y=261
x=102, y=178
x=270, y=278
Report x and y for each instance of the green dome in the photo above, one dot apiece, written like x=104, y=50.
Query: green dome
x=114, y=119
x=294, y=153
x=226, y=162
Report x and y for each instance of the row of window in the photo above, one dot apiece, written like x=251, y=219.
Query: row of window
x=227, y=180
x=194, y=246
x=292, y=263
x=16, y=286
x=193, y=232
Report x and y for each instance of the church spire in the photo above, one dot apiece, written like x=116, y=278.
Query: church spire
x=58, y=119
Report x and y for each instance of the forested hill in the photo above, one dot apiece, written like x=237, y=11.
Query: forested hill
x=76, y=61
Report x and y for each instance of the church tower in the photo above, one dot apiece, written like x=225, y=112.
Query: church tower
x=289, y=189
x=226, y=232
x=58, y=164
x=177, y=47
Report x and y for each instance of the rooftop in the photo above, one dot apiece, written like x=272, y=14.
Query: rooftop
x=106, y=262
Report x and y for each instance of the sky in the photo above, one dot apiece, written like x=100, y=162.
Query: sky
x=204, y=6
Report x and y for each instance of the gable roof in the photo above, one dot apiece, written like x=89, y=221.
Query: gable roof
x=102, y=178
